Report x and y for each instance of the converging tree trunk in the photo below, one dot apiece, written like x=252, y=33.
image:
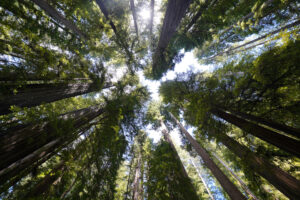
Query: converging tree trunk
x=226, y=184
x=59, y=17
x=132, y=7
x=281, y=141
x=24, y=146
x=36, y=94
x=244, y=186
x=272, y=124
x=176, y=10
x=137, y=179
x=283, y=181
x=203, y=181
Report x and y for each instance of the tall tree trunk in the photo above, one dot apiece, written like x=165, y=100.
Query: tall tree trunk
x=35, y=94
x=203, y=181
x=32, y=142
x=227, y=185
x=244, y=186
x=283, y=181
x=132, y=7
x=119, y=39
x=152, y=3
x=167, y=137
x=60, y=18
x=259, y=120
x=137, y=178
x=44, y=185
x=296, y=23
x=176, y=10
x=281, y=141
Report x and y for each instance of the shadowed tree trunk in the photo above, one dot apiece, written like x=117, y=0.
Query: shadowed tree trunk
x=244, y=186
x=30, y=143
x=58, y=17
x=36, y=94
x=203, y=181
x=176, y=10
x=284, y=182
x=44, y=185
x=281, y=141
x=226, y=184
x=132, y=7
x=259, y=120
x=151, y=24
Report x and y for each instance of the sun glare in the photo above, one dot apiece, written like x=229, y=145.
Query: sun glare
x=145, y=14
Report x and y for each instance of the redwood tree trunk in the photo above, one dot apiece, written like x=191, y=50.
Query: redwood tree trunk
x=132, y=7
x=137, y=178
x=26, y=145
x=281, y=141
x=57, y=16
x=284, y=182
x=259, y=120
x=176, y=10
x=35, y=94
x=226, y=184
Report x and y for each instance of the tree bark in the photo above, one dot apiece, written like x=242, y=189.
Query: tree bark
x=203, y=181
x=60, y=18
x=169, y=140
x=244, y=186
x=259, y=120
x=136, y=182
x=175, y=12
x=21, y=144
x=284, y=182
x=227, y=185
x=281, y=141
x=132, y=7
x=35, y=94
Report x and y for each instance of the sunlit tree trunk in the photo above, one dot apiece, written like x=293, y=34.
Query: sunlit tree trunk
x=137, y=178
x=203, y=181
x=176, y=10
x=284, y=182
x=57, y=16
x=36, y=94
x=281, y=141
x=244, y=186
x=226, y=184
x=151, y=24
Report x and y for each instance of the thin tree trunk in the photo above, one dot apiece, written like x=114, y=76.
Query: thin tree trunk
x=257, y=39
x=226, y=184
x=203, y=181
x=119, y=40
x=244, y=186
x=167, y=137
x=259, y=120
x=281, y=141
x=132, y=7
x=176, y=10
x=35, y=94
x=152, y=3
x=283, y=181
x=60, y=18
